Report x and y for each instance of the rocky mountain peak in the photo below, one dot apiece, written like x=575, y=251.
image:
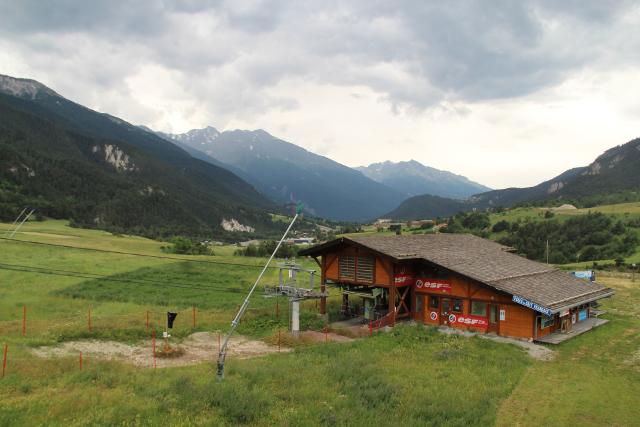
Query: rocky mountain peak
x=23, y=88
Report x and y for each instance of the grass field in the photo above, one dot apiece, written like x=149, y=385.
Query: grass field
x=413, y=376
x=617, y=211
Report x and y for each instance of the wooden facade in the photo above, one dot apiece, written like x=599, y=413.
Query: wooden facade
x=428, y=293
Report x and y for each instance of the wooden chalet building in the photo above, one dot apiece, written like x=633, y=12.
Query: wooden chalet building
x=457, y=280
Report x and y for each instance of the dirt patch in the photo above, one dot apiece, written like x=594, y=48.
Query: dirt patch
x=199, y=347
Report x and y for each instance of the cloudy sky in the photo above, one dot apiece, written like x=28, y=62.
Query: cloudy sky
x=507, y=93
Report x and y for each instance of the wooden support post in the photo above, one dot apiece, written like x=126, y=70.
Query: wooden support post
x=392, y=303
x=323, y=301
x=323, y=287
x=24, y=320
x=4, y=359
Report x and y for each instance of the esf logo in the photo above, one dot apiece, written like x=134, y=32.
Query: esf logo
x=467, y=320
x=429, y=285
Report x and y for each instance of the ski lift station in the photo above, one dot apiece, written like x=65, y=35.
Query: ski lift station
x=459, y=281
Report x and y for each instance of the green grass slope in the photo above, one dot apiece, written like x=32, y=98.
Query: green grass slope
x=412, y=376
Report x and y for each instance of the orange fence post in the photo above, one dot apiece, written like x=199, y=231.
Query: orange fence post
x=4, y=359
x=24, y=320
x=153, y=345
x=81, y=361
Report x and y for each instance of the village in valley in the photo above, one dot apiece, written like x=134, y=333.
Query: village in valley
x=318, y=258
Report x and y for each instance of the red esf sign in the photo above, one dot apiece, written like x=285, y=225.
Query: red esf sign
x=423, y=284
x=469, y=320
x=431, y=285
x=403, y=279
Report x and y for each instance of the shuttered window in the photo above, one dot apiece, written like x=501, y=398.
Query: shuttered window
x=364, y=270
x=359, y=268
x=347, y=267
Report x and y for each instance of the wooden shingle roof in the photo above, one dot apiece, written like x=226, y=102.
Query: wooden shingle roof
x=485, y=261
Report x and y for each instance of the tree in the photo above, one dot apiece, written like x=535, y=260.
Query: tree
x=500, y=226
x=476, y=221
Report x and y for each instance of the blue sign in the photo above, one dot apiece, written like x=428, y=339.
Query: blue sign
x=532, y=305
x=586, y=274
x=582, y=315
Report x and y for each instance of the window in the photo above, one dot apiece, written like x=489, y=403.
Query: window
x=547, y=321
x=360, y=268
x=419, y=303
x=479, y=308
x=456, y=305
x=433, y=302
x=347, y=267
x=365, y=268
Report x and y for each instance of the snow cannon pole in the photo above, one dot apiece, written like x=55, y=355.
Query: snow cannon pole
x=236, y=321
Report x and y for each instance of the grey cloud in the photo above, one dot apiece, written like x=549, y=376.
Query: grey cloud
x=416, y=54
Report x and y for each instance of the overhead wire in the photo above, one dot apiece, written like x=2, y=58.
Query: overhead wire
x=94, y=276
x=135, y=254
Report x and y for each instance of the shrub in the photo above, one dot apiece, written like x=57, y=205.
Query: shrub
x=266, y=248
x=500, y=226
x=186, y=246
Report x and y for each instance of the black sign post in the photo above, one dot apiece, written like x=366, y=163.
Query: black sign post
x=171, y=317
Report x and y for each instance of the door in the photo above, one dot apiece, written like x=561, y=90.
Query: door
x=445, y=305
x=494, y=318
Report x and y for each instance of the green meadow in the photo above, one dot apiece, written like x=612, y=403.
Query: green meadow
x=411, y=376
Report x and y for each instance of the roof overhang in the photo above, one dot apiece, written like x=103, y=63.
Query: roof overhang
x=322, y=248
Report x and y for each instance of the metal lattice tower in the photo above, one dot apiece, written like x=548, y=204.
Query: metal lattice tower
x=290, y=287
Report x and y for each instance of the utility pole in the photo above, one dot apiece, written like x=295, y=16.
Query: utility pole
x=16, y=221
x=15, y=230
x=547, y=251
x=236, y=321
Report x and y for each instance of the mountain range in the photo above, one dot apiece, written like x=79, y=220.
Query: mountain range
x=612, y=177
x=283, y=172
x=71, y=162
x=413, y=178
x=98, y=170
